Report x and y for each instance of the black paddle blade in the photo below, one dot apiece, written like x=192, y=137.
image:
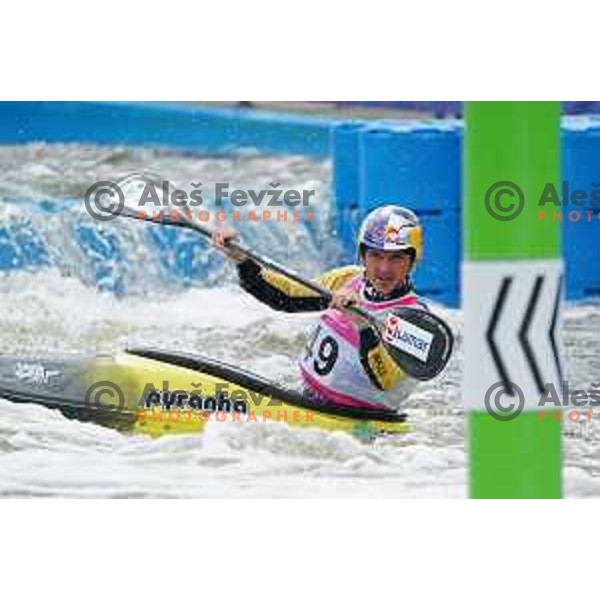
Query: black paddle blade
x=419, y=341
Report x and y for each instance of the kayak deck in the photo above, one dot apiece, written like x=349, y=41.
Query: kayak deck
x=156, y=392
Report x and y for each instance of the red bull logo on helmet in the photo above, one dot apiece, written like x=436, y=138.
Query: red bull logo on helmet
x=391, y=228
x=398, y=231
x=390, y=234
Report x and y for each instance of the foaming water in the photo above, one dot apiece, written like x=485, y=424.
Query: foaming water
x=59, y=308
x=44, y=221
x=42, y=453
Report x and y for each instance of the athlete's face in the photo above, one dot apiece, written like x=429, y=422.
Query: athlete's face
x=387, y=270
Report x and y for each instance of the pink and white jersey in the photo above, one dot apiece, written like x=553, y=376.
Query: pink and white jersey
x=331, y=367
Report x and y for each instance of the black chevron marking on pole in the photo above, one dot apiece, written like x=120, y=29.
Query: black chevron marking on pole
x=489, y=335
x=524, y=330
x=552, y=331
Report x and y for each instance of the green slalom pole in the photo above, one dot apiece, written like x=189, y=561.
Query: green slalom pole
x=512, y=290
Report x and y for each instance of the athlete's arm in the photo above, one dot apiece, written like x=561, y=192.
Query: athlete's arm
x=379, y=366
x=280, y=293
x=274, y=290
x=277, y=291
x=284, y=295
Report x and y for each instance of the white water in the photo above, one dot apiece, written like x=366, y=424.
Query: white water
x=56, y=310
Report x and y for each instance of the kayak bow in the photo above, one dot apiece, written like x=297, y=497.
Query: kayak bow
x=154, y=392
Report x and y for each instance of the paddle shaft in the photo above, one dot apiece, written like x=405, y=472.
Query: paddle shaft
x=403, y=357
x=208, y=232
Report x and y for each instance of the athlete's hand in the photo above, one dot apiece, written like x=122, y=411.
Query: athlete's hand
x=343, y=300
x=220, y=240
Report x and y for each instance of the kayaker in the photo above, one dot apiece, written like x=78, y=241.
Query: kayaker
x=344, y=362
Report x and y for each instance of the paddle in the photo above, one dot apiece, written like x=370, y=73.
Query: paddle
x=418, y=341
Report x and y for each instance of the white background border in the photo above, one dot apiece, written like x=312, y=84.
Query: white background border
x=296, y=51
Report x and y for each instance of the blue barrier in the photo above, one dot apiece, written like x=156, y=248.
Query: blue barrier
x=414, y=163
x=418, y=165
x=580, y=224
x=345, y=151
x=580, y=248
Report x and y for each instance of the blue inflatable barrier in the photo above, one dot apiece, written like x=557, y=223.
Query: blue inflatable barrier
x=417, y=165
x=345, y=149
x=438, y=275
x=580, y=224
x=580, y=249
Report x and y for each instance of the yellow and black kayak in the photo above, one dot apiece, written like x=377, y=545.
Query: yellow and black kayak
x=156, y=392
